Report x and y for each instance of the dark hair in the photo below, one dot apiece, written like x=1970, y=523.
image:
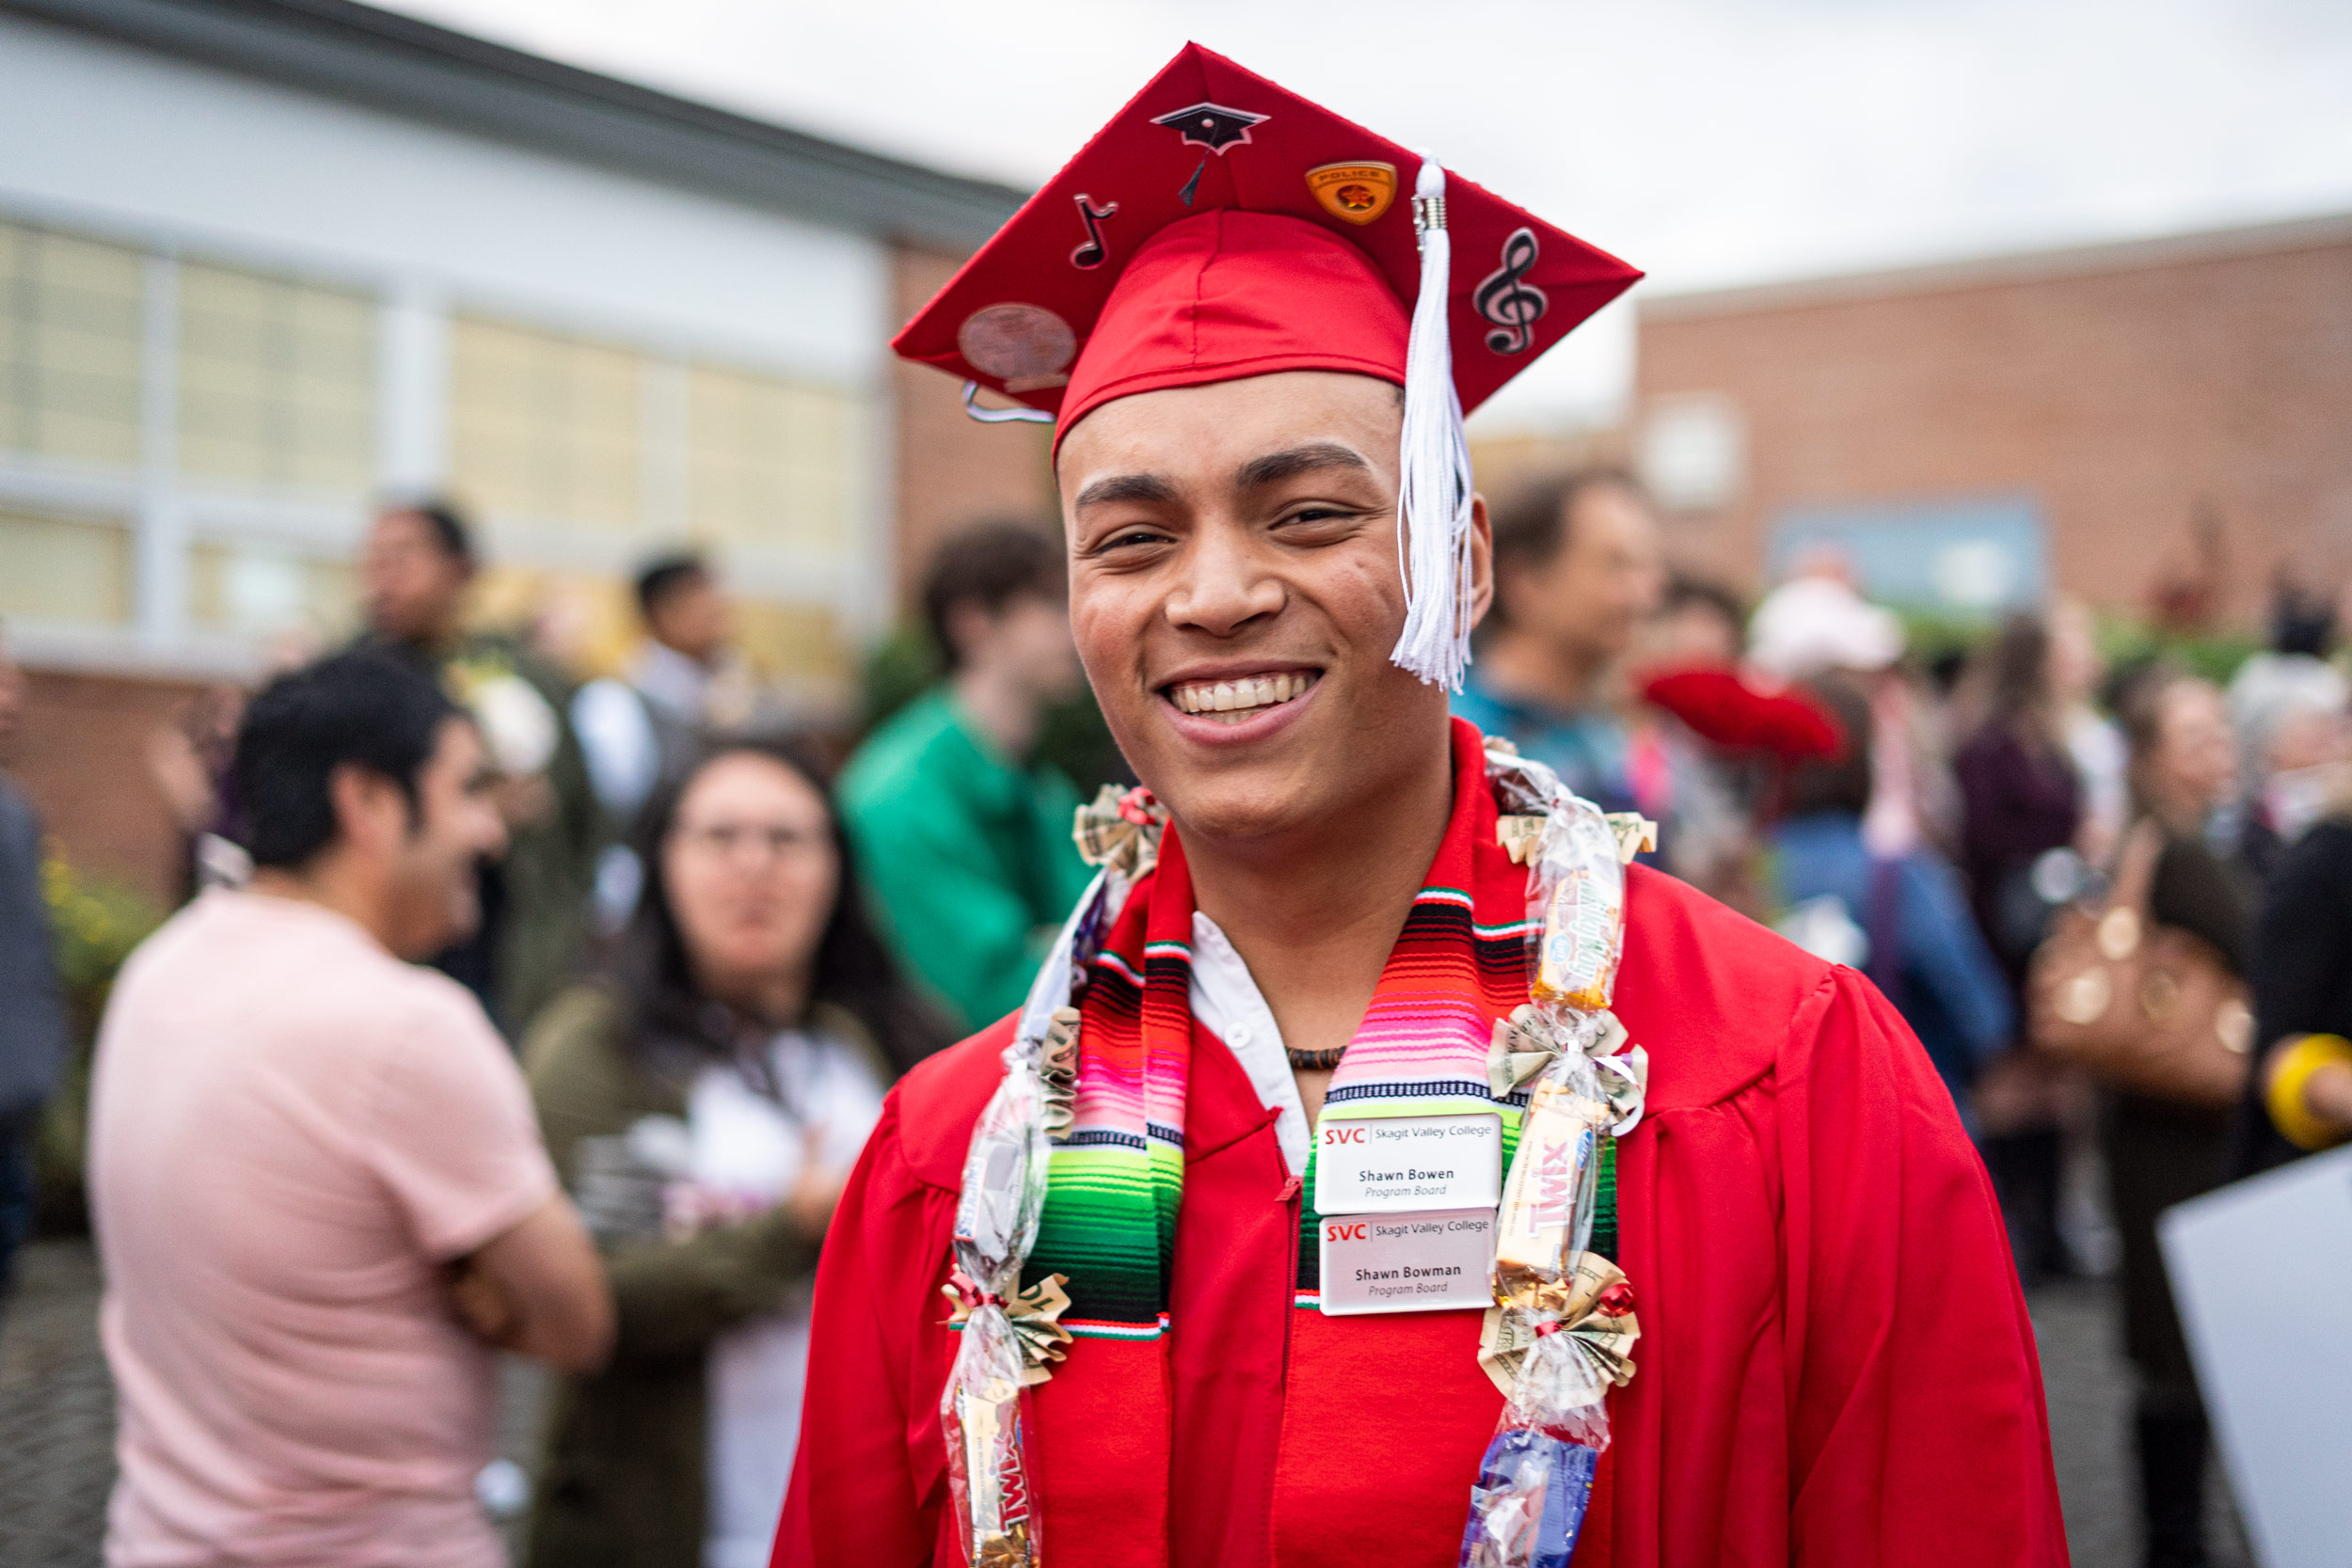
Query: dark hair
x=1532, y=528
x=2301, y=621
x=447, y=522
x=1683, y=593
x=2017, y=677
x=2136, y=693
x=1947, y=668
x=664, y=575
x=852, y=971
x=367, y=708
x=990, y=564
x=1842, y=783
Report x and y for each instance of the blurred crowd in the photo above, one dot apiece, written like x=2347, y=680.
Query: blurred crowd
x=516, y=1009
x=2114, y=901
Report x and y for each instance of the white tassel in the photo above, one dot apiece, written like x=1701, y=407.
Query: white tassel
x=1433, y=543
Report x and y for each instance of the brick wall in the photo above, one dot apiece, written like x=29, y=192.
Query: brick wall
x=952, y=469
x=2126, y=388
x=82, y=756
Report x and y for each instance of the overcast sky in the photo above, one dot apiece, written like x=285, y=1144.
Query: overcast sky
x=1706, y=141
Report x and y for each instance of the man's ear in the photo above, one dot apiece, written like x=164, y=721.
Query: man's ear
x=1481, y=583
x=370, y=811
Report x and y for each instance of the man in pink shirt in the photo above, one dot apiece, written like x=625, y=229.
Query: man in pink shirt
x=318, y=1188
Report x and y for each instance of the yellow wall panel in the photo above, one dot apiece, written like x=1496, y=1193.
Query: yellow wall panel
x=75, y=571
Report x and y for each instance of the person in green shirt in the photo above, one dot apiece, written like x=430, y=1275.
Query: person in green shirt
x=963, y=834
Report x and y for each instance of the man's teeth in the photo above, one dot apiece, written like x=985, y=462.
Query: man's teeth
x=1239, y=698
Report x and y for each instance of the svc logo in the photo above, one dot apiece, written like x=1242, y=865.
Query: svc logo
x=1343, y=1135
x=1352, y=1230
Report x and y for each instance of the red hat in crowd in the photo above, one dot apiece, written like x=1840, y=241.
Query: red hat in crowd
x=1221, y=227
x=1719, y=706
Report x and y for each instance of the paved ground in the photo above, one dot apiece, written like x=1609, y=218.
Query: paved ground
x=2087, y=1383
x=56, y=1417
x=56, y=1414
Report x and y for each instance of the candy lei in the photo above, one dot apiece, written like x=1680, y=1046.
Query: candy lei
x=1562, y=1329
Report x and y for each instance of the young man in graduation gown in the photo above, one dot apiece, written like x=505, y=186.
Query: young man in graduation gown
x=1216, y=302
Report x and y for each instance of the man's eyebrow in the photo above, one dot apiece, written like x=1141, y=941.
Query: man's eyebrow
x=1306, y=458
x=1149, y=488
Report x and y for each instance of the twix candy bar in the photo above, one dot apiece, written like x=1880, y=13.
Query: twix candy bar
x=1547, y=1213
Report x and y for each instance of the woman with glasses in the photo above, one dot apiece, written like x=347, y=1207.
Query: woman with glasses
x=704, y=1103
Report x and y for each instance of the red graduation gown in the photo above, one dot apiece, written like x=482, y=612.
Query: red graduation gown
x=1835, y=1364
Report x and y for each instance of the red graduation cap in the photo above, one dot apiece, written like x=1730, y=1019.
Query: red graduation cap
x=1221, y=227
x=1719, y=706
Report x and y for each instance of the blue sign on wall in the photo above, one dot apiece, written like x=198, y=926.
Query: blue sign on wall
x=1971, y=555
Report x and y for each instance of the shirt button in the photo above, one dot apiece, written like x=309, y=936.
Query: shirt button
x=1241, y=1033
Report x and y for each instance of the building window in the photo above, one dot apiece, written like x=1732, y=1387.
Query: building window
x=70, y=347
x=276, y=381
x=64, y=570
x=1693, y=452
x=545, y=427
x=260, y=590
x=767, y=462
x=801, y=643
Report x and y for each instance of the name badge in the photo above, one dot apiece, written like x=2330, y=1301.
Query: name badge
x=1384, y=1165
x=1425, y=1262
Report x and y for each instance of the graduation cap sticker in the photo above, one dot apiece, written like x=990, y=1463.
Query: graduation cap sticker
x=1210, y=125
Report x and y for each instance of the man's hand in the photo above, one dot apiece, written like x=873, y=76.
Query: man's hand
x=813, y=1198
x=480, y=1305
x=2327, y=1095
x=539, y=1289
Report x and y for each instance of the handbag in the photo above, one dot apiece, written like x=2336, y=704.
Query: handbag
x=2143, y=1007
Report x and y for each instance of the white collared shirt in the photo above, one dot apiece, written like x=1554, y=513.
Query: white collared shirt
x=1226, y=999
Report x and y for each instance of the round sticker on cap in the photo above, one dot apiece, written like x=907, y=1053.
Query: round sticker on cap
x=1026, y=347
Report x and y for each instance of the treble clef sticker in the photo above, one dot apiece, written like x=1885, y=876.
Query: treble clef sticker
x=1506, y=301
x=1091, y=255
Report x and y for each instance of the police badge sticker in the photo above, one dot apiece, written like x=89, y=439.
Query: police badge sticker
x=1354, y=192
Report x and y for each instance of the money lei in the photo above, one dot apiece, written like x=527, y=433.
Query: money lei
x=1574, y=1296
x=1011, y=1338
x=1562, y=1331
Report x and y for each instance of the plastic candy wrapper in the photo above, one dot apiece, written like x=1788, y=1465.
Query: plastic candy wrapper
x=1536, y=1478
x=1576, y=886
x=1529, y=1502
x=1548, y=1198
x=1574, y=883
x=1010, y=1338
x=1562, y=1327
x=988, y=1459
x=996, y=1217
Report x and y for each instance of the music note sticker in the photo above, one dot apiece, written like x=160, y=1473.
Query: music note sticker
x=1506, y=301
x=1091, y=254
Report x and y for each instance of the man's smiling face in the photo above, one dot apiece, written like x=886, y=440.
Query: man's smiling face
x=1235, y=594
